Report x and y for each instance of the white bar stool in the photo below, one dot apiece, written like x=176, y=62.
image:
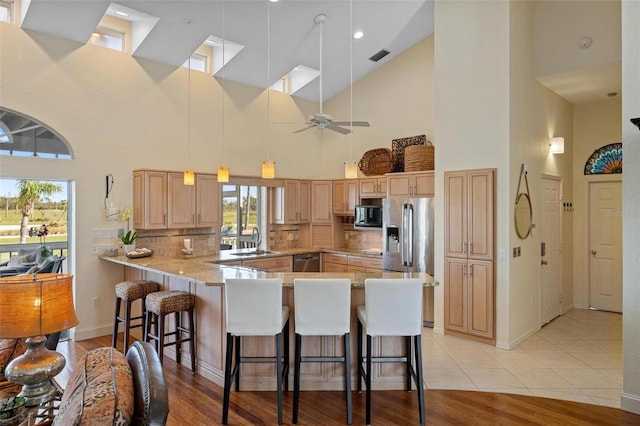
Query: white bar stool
x=253, y=307
x=322, y=308
x=393, y=307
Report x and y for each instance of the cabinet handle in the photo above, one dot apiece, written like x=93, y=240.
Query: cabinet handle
x=470, y=270
x=470, y=248
x=464, y=269
x=464, y=247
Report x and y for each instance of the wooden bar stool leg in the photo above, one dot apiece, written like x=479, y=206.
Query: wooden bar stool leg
x=285, y=337
x=419, y=376
x=237, y=371
x=296, y=377
x=192, y=338
x=279, y=374
x=127, y=316
x=160, y=335
x=178, y=320
x=116, y=323
x=367, y=380
x=227, y=378
x=359, y=356
x=407, y=346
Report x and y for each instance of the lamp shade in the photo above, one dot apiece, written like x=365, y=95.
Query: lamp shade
x=223, y=174
x=189, y=177
x=268, y=169
x=34, y=305
x=350, y=170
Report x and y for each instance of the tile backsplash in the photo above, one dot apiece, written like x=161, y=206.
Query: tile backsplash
x=284, y=237
x=170, y=242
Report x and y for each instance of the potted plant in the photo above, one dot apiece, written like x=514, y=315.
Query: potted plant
x=11, y=410
x=129, y=241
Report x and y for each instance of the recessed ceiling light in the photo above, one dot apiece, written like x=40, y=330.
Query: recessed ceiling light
x=121, y=13
x=358, y=35
x=273, y=1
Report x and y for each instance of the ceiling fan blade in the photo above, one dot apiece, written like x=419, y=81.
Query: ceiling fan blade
x=304, y=128
x=338, y=129
x=352, y=123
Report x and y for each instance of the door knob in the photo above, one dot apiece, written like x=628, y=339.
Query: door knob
x=543, y=262
x=593, y=252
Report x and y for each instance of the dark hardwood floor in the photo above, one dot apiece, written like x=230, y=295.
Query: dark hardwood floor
x=197, y=401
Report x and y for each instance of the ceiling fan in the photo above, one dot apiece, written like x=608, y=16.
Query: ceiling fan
x=322, y=120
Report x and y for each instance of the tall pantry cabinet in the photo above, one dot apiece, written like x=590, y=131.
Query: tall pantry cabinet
x=469, y=288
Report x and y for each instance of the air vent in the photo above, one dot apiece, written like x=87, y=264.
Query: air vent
x=381, y=54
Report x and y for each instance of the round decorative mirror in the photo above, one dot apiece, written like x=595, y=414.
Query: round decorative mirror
x=523, y=215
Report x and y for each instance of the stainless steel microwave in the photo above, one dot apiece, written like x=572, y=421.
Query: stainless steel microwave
x=368, y=216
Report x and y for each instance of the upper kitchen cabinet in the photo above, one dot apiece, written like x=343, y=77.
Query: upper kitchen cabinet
x=374, y=187
x=410, y=184
x=207, y=201
x=290, y=203
x=149, y=199
x=161, y=200
x=345, y=196
x=321, y=201
x=468, y=219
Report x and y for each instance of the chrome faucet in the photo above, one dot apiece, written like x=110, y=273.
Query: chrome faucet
x=255, y=236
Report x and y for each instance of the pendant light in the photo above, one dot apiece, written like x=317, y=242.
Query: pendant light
x=268, y=166
x=350, y=167
x=223, y=171
x=189, y=177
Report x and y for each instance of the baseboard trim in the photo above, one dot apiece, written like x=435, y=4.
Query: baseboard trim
x=93, y=332
x=630, y=403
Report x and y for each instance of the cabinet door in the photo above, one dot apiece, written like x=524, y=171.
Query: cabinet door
x=321, y=202
x=480, y=214
x=369, y=188
x=455, y=294
x=207, y=201
x=152, y=199
x=339, y=196
x=480, y=297
x=398, y=186
x=304, y=199
x=334, y=267
x=424, y=185
x=455, y=214
x=181, y=200
x=382, y=187
x=352, y=196
x=290, y=203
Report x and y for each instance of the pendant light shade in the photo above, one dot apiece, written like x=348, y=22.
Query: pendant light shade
x=189, y=177
x=268, y=169
x=350, y=170
x=223, y=174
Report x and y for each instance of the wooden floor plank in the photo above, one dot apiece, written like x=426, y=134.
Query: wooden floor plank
x=197, y=401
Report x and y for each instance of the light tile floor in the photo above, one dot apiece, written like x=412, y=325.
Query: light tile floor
x=577, y=357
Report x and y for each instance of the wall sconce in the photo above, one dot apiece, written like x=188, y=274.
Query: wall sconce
x=223, y=174
x=350, y=170
x=189, y=177
x=268, y=169
x=556, y=145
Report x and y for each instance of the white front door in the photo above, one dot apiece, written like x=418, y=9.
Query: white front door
x=551, y=250
x=605, y=246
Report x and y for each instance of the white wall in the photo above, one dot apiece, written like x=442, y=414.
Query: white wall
x=631, y=207
x=595, y=124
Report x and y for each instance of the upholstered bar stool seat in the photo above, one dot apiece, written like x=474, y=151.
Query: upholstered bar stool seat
x=393, y=307
x=159, y=305
x=130, y=291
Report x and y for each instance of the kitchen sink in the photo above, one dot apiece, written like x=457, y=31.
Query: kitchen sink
x=251, y=253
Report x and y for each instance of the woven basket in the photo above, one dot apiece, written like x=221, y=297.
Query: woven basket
x=418, y=158
x=398, y=146
x=377, y=161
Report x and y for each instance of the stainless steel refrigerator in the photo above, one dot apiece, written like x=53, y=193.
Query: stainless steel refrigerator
x=407, y=241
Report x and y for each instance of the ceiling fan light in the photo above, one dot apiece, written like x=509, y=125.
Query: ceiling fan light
x=223, y=174
x=358, y=35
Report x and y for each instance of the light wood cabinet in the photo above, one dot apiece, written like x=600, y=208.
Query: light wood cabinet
x=345, y=196
x=207, y=201
x=469, y=290
x=161, y=200
x=149, y=199
x=321, y=201
x=290, y=203
x=270, y=264
x=375, y=187
x=364, y=264
x=321, y=236
x=332, y=262
x=410, y=184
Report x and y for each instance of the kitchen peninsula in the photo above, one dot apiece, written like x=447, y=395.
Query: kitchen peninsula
x=205, y=276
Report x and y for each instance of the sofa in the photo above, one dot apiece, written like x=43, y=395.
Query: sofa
x=108, y=388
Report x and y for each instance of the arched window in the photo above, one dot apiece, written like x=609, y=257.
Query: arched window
x=25, y=137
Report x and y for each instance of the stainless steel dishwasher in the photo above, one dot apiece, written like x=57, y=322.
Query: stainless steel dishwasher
x=308, y=262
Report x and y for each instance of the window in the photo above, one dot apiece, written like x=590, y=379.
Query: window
x=241, y=213
x=198, y=62
x=5, y=11
x=21, y=136
x=108, y=38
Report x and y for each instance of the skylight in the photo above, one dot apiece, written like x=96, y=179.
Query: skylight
x=220, y=46
x=295, y=79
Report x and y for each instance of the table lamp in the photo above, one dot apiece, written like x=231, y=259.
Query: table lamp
x=32, y=306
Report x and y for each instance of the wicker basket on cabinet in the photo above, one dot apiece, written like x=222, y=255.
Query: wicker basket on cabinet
x=377, y=161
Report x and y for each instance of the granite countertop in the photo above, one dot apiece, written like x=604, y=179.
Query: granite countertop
x=229, y=256
x=210, y=270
